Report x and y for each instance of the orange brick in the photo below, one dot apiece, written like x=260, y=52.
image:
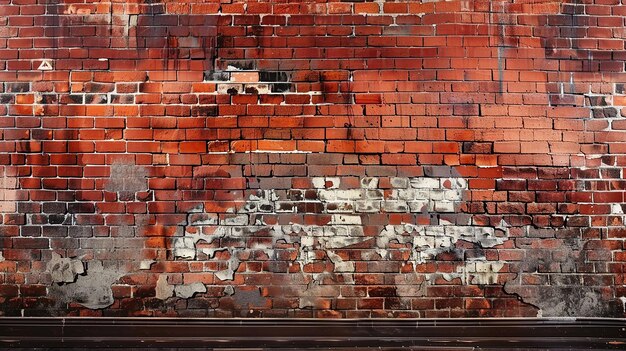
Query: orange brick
x=193, y=147
x=366, y=8
x=244, y=77
x=277, y=145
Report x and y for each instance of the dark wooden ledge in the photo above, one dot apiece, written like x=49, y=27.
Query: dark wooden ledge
x=292, y=334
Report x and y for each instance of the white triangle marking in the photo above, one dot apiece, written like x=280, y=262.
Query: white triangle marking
x=46, y=65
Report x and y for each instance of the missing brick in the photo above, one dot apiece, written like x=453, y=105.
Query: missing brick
x=272, y=76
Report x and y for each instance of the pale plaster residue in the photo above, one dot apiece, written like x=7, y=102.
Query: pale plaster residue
x=8, y=186
x=436, y=197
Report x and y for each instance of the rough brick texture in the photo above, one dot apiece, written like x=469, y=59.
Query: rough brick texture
x=312, y=159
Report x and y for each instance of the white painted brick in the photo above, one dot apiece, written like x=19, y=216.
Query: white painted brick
x=326, y=195
x=412, y=194
x=369, y=183
x=443, y=242
x=185, y=248
x=453, y=195
x=400, y=183
x=616, y=209
x=403, y=194
x=425, y=183
x=344, y=267
x=223, y=88
x=336, y=231
x=418, y=206
x=458, y=183
x=436, y=194
x=435, y=231
x=395, y=206
x=341, y=207
x=309, y=256
x=341, y=242
x=374, y=194
x=346, y=220
x=444, y=206
x=318, y=182
x=146, y=264
x=307, y=241
x=236, y=220
x=295, y=228
x=314, y=230
x=242, y=231
x=459, y=231
x=483, y=267
x=356, y=231
x=421, y=194
x=483, y=231
x=340, y=265
x=424, y=241
x=326, y=183
x=368, y=206
x=352, y=194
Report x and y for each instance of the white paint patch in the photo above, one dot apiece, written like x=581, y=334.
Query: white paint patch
x=436, y=197
x=189, y=290
x=146, y=264
x=616, y=209
x=63, y=269
x=480, y=272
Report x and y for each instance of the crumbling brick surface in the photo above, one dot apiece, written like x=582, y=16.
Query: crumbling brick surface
x=312, y=158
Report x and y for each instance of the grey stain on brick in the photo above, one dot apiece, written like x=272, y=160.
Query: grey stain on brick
x=92, y=290
x=64, y=270
x=127, y=178
x=186, y=291
x=249, y=299
x=163, y=289
x=561, y=292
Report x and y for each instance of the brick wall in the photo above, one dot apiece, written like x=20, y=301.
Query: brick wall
x=312, y=159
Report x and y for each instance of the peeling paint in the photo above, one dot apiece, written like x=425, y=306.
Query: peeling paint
x=92, y=290
x=64, y=270
x=146, y=264
x=163, y=289
x=7, y=192
x=480, y=272
x=566, y=301
x=429, y=196
x=312, y=296
x=127, y=179
x=564, y=294
x=189, y=290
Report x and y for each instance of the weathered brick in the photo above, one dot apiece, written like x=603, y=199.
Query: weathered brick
x=314, y=150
